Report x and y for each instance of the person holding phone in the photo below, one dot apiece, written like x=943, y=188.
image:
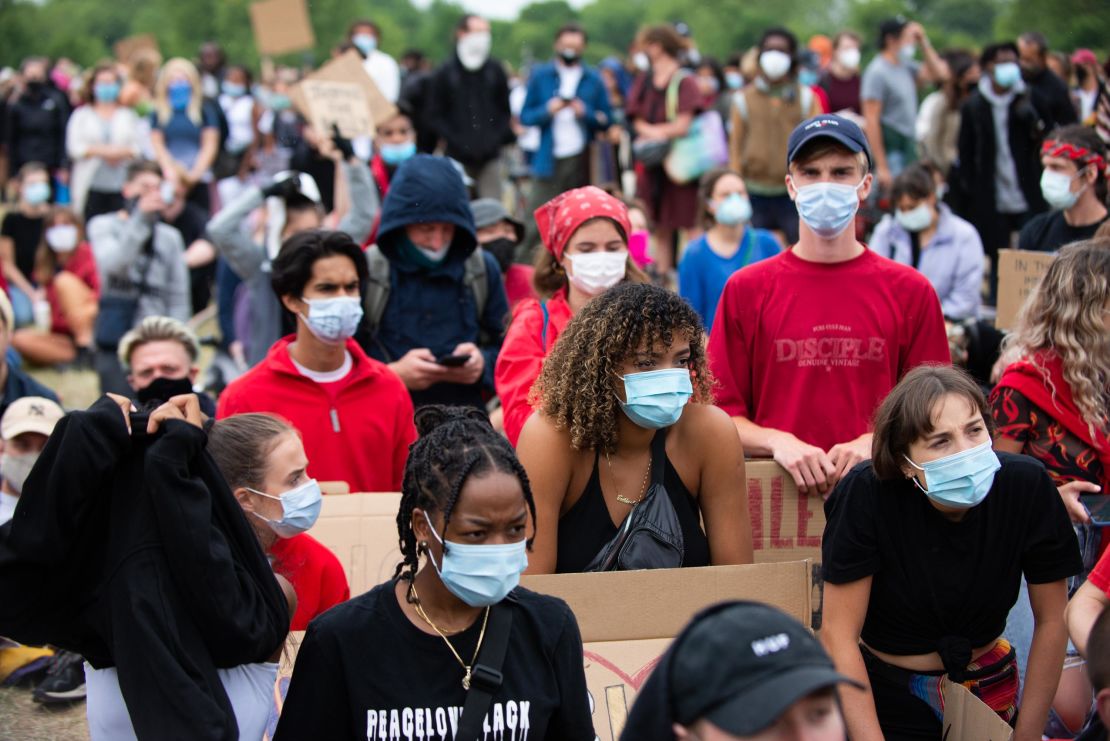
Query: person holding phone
x=1051, y=404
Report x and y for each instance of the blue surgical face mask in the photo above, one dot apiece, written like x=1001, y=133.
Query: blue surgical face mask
x=828, y=208
x=333, y=320
x=365, y=42
x=907, y=52
x=179, y=94
x=734, y=209
x=808, y=77
x=1007, y=74
x=299, y=508
x=655, y=399
x=280, y=102
x=734, y=80
x=961, y=480
x=395, y=154
x=480, y=575
x=36, y=194
x=233, y=89
x=106, y=92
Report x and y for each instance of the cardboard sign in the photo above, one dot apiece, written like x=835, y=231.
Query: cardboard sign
x=1019, y=272
x=346, y=69
x=126, y=48
x=281, y=26
x=361, y=530
x=341, y=104
x=967, y=718
x=626, y=625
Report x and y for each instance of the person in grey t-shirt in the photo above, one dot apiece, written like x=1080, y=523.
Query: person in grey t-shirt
x=889, y=94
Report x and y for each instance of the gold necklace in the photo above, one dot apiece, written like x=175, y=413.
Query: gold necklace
x=424, y=616
x=643, y=487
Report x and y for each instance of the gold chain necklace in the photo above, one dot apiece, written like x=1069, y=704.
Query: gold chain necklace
x=424, y=616
x=643, y=487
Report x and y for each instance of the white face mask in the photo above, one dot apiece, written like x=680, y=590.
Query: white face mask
x=473, y=49
x=641, y=61
x=1056, y=189
x=916, y=219
x=775, y=64
x=62, y=238
x=849, y=58
x=595, y=272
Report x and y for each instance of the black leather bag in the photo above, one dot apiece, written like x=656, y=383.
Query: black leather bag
x=651, y=535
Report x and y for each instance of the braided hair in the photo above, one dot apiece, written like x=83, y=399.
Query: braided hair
x=454, y=444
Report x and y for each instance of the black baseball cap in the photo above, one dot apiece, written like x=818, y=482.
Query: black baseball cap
x=828, y=126
x=741, y=665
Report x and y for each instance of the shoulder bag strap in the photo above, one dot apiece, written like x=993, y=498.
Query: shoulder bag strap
x=486, y=678
x=546, y=319
x=658, y=455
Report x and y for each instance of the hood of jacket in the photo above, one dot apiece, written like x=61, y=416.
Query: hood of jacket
x=425, y=189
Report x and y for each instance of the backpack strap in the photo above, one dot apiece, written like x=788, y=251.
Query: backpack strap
x=672, y=93
x=474, y=276
x=377, y=288
x=740, y=102
x=546, y=320
x=486, y=678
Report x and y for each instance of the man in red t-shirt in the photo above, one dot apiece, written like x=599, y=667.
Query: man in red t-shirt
x=805, y=345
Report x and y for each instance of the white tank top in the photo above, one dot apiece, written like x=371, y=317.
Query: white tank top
x=250, y=688
x=240, y=122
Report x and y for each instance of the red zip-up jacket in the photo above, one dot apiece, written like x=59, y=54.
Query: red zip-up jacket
x=521, y=357
x=357, y=430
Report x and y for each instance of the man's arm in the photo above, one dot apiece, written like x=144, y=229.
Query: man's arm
x=117, y=245
x=225, y=231
x=179, y=303
x=809, y=466
x=365, y=204
x=935, y=69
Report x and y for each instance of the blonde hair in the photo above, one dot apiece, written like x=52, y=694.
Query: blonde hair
x=176, y=67
x=1064, y=315
x=158, y=329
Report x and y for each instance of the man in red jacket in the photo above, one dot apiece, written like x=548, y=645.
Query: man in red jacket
x=353, y=413
x=806, y=344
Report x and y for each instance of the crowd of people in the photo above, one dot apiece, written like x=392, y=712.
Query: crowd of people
x=556, y=309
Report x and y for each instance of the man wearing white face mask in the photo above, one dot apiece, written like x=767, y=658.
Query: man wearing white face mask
x=24, y=428
x=354, y=416
x=808, y=320
x=999, y=154
x=468, y=106
x=1074, y=184
x=763, y=115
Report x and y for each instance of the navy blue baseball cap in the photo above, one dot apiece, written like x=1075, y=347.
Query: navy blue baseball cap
x=829, y=126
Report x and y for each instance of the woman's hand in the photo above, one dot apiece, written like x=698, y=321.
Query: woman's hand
x=185, y=407
x=1070, y=493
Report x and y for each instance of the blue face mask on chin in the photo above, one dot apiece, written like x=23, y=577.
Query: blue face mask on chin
x=480, y=575
x=961, y=480
x=655, y=399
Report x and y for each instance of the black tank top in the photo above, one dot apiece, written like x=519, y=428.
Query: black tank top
x=587, y=527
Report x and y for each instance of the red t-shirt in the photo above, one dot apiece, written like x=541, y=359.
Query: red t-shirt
x=83, y=265
x=1100, y=575
x=315, y=573
x=813, y=348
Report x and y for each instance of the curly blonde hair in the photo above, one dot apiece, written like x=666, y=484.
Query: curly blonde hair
x=576, y=388
x=1064, y=315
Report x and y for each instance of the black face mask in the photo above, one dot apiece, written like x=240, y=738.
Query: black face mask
x=502, y=250
x=164, y=389
x=36, y=86
x=569, y=57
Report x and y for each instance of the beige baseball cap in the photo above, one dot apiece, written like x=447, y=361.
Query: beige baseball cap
x=30, y=414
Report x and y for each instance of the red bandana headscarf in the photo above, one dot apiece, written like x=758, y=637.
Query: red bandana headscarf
x=559, y=218
x=1082, y=156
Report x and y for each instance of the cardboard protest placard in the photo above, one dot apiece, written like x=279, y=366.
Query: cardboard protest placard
x=361, y=530
x=967, y=718
x=1019, y=272
x=126, y=48
x=281, y=26
x=324, y=104
x=626, y=626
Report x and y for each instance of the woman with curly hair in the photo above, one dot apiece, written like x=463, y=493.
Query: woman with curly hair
x=1052, y=404
x=616, y=388
x=404, y=653
x=585, y=233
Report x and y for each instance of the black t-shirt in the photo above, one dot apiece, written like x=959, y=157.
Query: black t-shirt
x=26, y=233
x=191, y=222
x=934, y=578
x=366, y=672
x=1049, y=232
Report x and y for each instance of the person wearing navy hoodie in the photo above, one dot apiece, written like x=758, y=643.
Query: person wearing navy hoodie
x=353, y=414
x=435, y=305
